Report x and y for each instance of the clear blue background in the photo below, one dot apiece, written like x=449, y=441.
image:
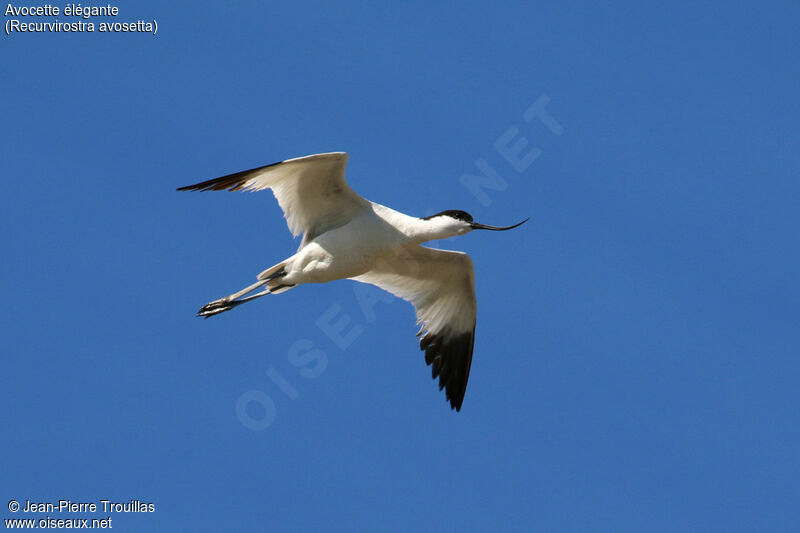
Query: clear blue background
x=636, y=361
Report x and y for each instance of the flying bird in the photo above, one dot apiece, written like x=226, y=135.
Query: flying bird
x=346, y=236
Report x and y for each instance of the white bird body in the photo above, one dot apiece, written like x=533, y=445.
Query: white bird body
x=348, y=251
x=344, y=252
x=348, y=237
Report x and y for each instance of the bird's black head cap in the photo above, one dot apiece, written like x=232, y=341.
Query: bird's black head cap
x=452, y=213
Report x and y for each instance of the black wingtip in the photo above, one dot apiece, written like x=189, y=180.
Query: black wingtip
x=231, y=182
x=450, y=358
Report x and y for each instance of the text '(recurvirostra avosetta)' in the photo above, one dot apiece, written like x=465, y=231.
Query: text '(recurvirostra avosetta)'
x=75, y=19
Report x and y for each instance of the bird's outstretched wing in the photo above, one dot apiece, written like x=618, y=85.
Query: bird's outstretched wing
x=441, y=286
x=312, y=191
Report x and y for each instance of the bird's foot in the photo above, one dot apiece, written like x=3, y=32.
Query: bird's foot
x=216, y=307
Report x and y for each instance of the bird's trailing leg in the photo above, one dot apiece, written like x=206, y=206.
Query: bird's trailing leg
x=231, y=301
x=220, y=306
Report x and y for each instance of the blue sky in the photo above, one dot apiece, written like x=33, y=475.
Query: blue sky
x=636, y=359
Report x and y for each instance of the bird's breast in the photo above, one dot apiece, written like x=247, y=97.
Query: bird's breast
x=348, y=251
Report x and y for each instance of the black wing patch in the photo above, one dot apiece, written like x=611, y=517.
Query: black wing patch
x=231, y=182
x=450, y=358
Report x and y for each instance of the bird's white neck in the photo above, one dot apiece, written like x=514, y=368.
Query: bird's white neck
x=419, y=230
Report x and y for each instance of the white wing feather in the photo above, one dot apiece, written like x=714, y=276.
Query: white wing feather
x=441, y=286
x=312, y=191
